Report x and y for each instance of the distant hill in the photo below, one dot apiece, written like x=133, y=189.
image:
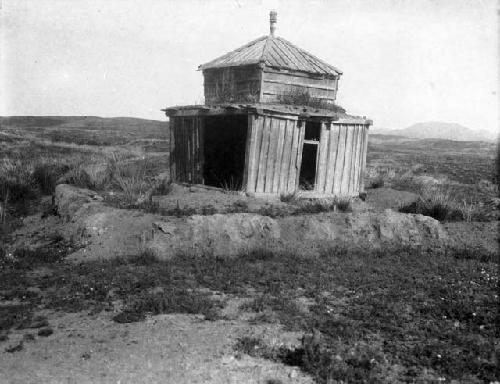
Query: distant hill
x=90, y=130
x=440, y=130
x=81, y=122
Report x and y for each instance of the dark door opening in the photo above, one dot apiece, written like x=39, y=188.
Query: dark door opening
x=307, y=176
x=224, y=149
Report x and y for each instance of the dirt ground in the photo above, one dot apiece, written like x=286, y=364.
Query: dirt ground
x=166, y=348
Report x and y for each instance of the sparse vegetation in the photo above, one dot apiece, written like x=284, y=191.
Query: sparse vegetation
x=439, y=202
x=288, y=197
x=366, y=309
x=302, y=97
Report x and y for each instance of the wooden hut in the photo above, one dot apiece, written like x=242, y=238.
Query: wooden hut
x=269, y=125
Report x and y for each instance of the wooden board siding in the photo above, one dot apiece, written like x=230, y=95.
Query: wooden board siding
x=273, y=154
x=342, y=151
x=363, y=161
x=276, y=83
x=232, y=84
x=186, y=158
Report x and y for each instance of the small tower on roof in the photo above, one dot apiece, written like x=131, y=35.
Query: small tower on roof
x=269, y=69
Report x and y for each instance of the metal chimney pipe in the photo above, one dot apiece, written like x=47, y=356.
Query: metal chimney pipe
x=273, y=19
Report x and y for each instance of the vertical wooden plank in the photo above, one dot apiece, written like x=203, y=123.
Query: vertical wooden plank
x=171, y=156
x=180, y=150
x=287, y=153
x=295, y=160
x=300, y=147
x=249, y=144
x=332, y=156
x=185, y=154
x=202, y=149
x=344, y=187
x=281, y=126
x=191, y=151
x=199, y=169
x=271, y=156
x=194, y=148
x=363, y=160
x=358, y=158
x=264, y=148
x=353, y=158
x=187, y=149
x=254, y=167
x=339, y=163
x=322, y=158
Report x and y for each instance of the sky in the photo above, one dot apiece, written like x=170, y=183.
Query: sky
x=403, y=61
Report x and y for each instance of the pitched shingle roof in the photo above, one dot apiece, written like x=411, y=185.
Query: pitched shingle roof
x=273, y=52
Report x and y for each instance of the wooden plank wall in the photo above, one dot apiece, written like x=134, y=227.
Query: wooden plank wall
x=275, y=84
x=341, y=158
x=273, y=154
x=186, y=157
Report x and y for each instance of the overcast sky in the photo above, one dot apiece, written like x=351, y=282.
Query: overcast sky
x=404, y=61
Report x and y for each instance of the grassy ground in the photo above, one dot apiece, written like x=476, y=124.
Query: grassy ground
x=102, y=154
x=392, y=316
x=384, y=316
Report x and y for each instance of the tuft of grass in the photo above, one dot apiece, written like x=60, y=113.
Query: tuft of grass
x=302, y=97
x=343, y=203
x=172, y=301
x=439, y=202
x=379, y=182
x=288, y=197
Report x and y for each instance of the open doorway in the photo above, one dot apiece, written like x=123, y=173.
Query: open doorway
x=307, y=176
x=224, y=151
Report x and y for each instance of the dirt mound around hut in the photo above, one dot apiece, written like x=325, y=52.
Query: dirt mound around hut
x=105, y=231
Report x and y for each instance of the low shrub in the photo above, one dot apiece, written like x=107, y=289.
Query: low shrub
x=173, y=301
x=46, y=176
x=288, y=197
x=379, y=182
x=343, y=203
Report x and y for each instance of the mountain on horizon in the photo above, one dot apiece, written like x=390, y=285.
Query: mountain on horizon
x=440, y=130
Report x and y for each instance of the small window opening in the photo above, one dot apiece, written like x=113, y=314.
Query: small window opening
x=312, y=131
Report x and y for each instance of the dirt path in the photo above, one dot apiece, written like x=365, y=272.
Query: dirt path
x=162, y=349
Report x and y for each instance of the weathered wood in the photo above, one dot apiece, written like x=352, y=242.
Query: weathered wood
x=287, y=155
x=352, y=186
x=359, y=151
x=202, y=150
x=354, y=166
x=248, y=147
x=307, y=84
x=322, y=157
x=190, y=149
x=346, y=173
x=279, y=155
x=363, y=163
x=299, y=155
x=296, y=156
x=180, y=142
x=332, y=156
x=339, y=163
x=259, y=131
x=171, y=159
x=271, y=157
x=361, y=156
x=264, y=148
